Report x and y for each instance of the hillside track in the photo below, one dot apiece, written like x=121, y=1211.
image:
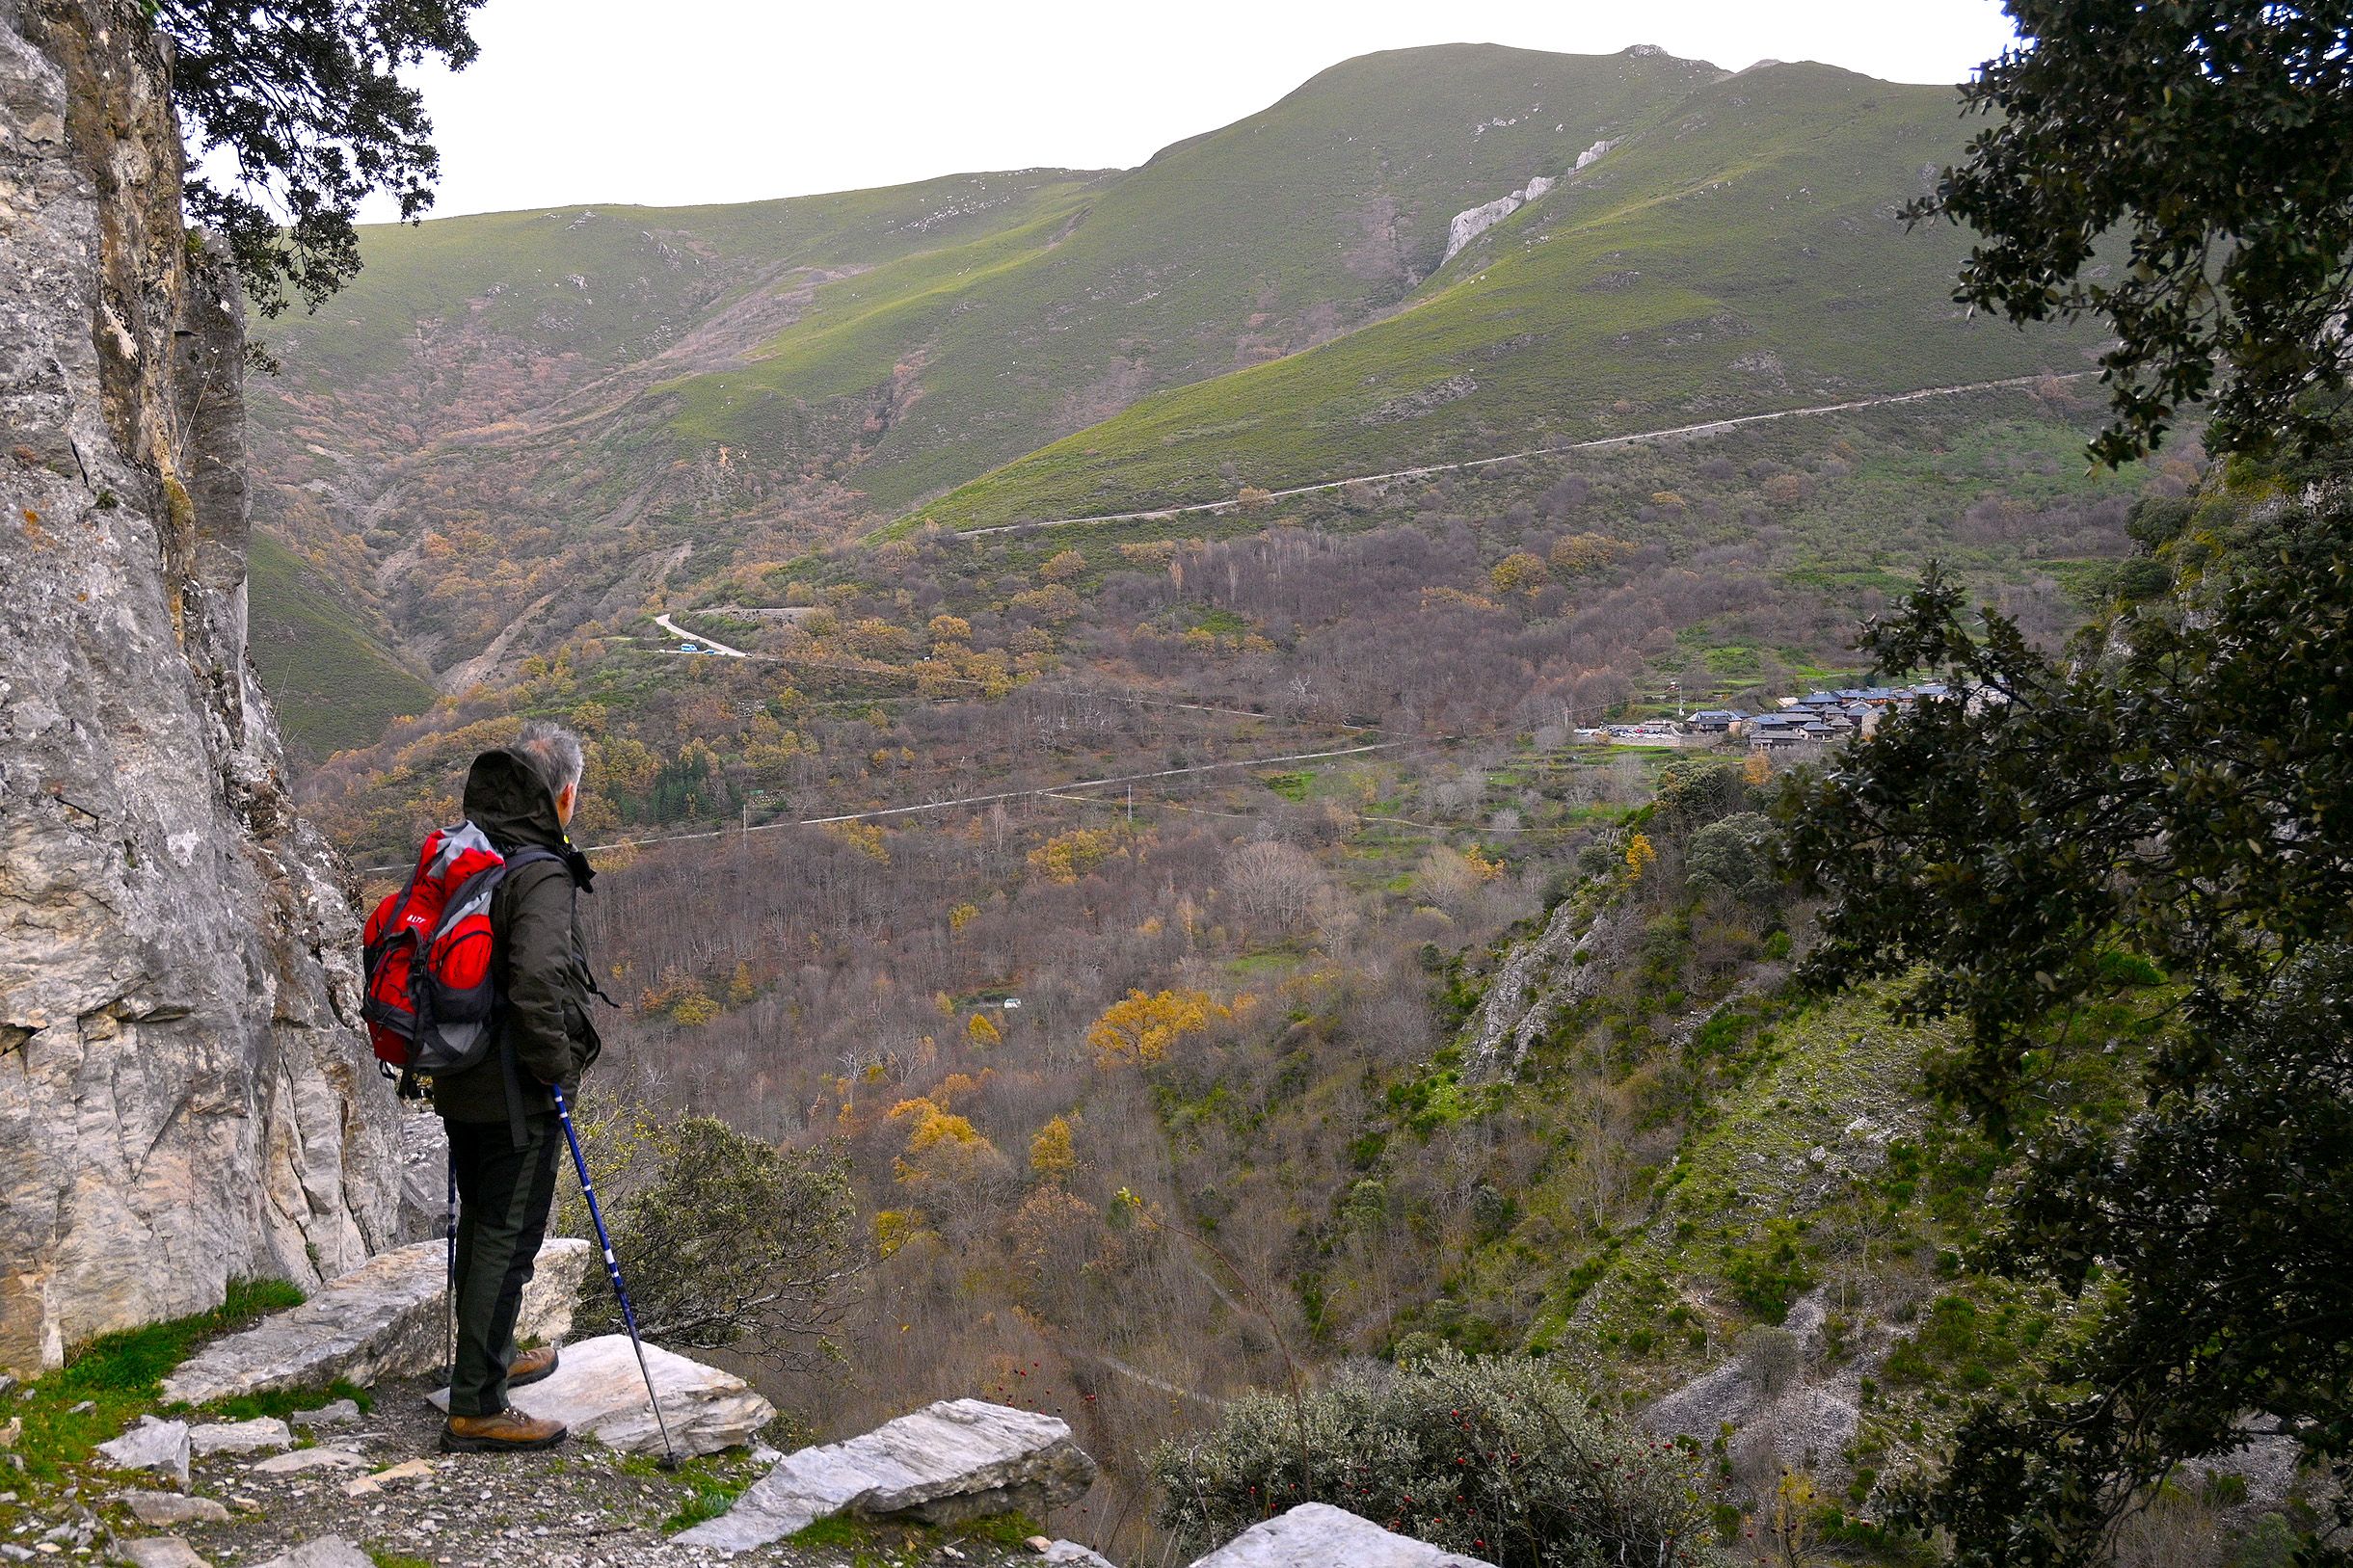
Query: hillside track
x=717, y=647
x=1712, y=427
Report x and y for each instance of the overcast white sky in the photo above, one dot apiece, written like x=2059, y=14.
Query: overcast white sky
x=732, y=100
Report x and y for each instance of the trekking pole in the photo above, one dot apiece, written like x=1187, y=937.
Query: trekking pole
x=449, y=1232
x=612, y=1269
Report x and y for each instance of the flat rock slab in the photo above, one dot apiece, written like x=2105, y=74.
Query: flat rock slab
x=263, y=1434
x=286, y=1464
x=326, y=1552
x=948, y=1462
x=337, y=1413
x=1071, y=1554
x=1318, y=1535
x=160, y=1508
x=597, y=1392
x=386, y=1318
x=160, y=1552
x=151, y=1444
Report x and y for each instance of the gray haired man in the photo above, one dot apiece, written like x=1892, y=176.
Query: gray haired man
x=503, y=1139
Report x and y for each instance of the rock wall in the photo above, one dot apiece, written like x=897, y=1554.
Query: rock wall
x=183, y=1096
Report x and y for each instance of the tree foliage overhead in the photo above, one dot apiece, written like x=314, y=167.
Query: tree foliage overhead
x=2181, y=169
x=306, y=96
x=2137, y=859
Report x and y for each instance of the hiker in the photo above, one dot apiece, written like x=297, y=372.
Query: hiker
x=503, y=1137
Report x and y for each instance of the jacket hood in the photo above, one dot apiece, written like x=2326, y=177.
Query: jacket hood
x=505, y=799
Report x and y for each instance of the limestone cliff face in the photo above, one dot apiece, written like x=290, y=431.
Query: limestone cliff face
x=183, y=1094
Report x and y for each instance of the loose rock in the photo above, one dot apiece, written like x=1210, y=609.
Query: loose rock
x=1318, y=1535
x=327, y=1552
x=597, y=1392
x=1071, y=1554
x=948, y=1462
x=261, y=1434
x=160, y=1552
x=174, y=1508
x=408, y=1470
x=152, y=1445
x=341, y=1413
x=282, y=1464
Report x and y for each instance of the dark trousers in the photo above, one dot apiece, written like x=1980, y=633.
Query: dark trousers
x=503, y=1195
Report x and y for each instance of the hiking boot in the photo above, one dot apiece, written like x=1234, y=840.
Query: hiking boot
x=532, y=1365
x=509, y=1431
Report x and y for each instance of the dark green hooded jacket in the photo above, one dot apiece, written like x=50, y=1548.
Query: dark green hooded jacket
x=542, y=965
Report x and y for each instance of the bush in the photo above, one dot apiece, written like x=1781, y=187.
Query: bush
x=1499, y=1457
x=728, y=1241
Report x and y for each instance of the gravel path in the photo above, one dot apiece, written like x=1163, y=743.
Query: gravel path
x=580, y=1505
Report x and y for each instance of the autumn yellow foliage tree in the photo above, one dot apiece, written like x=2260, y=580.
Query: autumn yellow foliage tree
x=866, y=838
x=1067, y=856
x=982, y=1031
x=1583, y=555
x=1639, y=856
x=1051, y=1156
x=1140, y=1028
x=1521, y=572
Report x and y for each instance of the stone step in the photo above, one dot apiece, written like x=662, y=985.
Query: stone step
x=950, y=1462
x=597, y=1392
x=1318, y=1535
x=386, y=1318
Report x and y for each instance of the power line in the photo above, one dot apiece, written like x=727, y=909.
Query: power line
x=993, y=797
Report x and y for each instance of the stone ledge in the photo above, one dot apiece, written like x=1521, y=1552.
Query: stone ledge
x=386, y=1318
x=948, y=1462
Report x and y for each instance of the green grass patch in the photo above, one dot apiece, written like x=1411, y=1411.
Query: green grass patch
x=119, y=1375
x=284, y=1402
x=873, y=1543
x=1292, y=786
x=706, y=1500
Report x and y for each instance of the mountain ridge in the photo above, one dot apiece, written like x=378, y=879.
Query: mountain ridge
x=524, y=409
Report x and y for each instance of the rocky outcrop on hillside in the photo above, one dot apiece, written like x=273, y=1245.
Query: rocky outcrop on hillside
x=182, y=1096
x=1469, y=226
x=1539, y=980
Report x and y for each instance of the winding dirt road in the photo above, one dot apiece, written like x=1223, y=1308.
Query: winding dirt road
x=1710, y=428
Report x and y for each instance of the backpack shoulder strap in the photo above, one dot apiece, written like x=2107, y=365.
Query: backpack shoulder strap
x=524, y=855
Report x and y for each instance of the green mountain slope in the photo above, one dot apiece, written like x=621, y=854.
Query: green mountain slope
x=1743, y=254
x=516, y=426
x=584, y=291
x=333, y=684
x=1273, y=233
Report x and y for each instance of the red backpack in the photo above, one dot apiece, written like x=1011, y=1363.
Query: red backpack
x=431, y=993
